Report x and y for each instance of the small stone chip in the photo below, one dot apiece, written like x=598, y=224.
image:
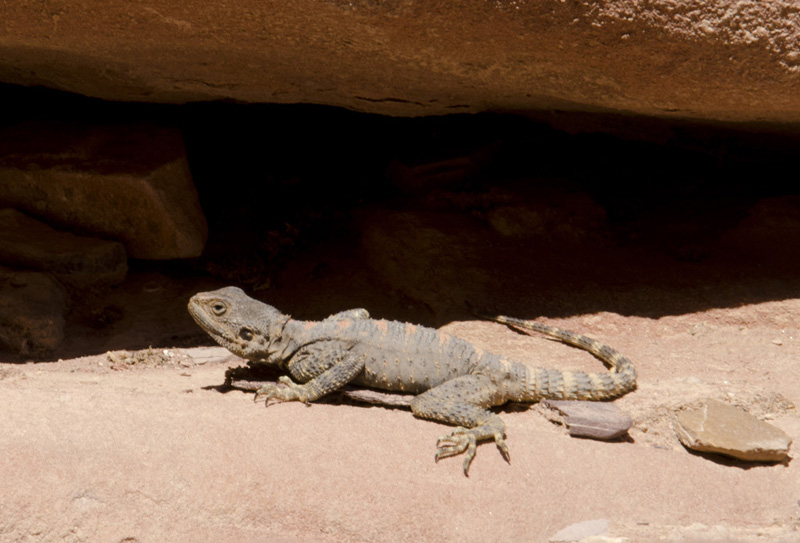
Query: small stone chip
x=721, y=428
x=582, y=530
x=595, y=420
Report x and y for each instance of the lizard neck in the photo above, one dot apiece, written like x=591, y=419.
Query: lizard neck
x=282, y=343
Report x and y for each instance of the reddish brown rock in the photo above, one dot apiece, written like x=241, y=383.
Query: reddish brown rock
x=734, y=60
x=554, y=217
x=405, y=247
x=771, y=225
x=76, y=261
x=32, y=307
x=129, y=183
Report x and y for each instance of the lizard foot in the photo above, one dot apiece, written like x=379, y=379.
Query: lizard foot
x=290, y=392
x=465, y=441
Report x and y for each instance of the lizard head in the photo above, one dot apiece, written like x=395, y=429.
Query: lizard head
x=246, y=327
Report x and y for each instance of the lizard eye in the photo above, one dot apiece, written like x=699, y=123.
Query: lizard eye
x=245, y=334
x=218, y=308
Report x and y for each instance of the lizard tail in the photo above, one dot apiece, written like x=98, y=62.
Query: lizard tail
x=569, y=385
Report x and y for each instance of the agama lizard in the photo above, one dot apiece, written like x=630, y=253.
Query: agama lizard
x=455, y=382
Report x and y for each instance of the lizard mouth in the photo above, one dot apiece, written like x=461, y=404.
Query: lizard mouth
x=198, y=309
x=201, y=317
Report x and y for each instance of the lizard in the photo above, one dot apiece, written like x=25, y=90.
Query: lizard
x=453, y=381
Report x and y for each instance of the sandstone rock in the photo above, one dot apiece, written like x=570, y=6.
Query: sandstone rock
x=407, y=247
x=129, y=183
x=559, y=218
x=445, y=173
x=770, y=226
x=595, y=420
x=720, y=428
x=75, y=261
x=32, y=307
x=735, y=60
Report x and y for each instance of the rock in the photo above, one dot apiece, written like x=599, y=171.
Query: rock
x=732, y=60
x=129, y=183
x=76, y=261
x=595, y=420
x=771, y=225
x=450, y=172
x=582, y=530
x=720, y=428
x=554, y=217
x=205, y=355
x=405, y=247
x=32, y=307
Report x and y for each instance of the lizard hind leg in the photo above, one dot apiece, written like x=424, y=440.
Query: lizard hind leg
x=464, y=401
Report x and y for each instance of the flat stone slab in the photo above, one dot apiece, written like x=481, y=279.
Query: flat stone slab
x=129, y=183
x=76, y=261
x=32, y=307
x=720, y=428
x=595, y=420
x=732, y=60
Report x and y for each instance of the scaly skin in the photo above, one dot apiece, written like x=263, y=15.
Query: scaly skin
x=455, y=382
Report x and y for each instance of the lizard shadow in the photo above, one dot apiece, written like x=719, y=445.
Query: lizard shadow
x=250, y=377
x=728, y=461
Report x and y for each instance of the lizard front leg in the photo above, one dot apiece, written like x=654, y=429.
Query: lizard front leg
x=322, y=367
x=463, y=401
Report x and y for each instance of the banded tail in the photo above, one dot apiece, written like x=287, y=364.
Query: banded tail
x=575, y=385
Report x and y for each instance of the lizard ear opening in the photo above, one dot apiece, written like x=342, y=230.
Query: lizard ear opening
x=246, y=334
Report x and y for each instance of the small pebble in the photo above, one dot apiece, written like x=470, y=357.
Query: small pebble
x=595, y=420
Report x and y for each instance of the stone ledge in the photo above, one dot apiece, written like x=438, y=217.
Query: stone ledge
x=718, y=60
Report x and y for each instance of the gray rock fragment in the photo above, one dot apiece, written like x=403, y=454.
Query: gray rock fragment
x=32, y=307
x=720, y=428
x=76, y=261
x=595, y=420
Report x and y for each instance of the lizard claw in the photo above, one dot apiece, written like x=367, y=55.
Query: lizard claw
x=460, y=441
x=291, y=391
x=465, y=441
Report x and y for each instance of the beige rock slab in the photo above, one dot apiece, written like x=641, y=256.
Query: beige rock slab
x=734, y=60
x=724, y=429
x=129, y=183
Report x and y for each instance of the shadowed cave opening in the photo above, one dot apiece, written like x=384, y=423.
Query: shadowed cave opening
x=316, y=209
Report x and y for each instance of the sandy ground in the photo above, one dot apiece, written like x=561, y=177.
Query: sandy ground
x=148, y=446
